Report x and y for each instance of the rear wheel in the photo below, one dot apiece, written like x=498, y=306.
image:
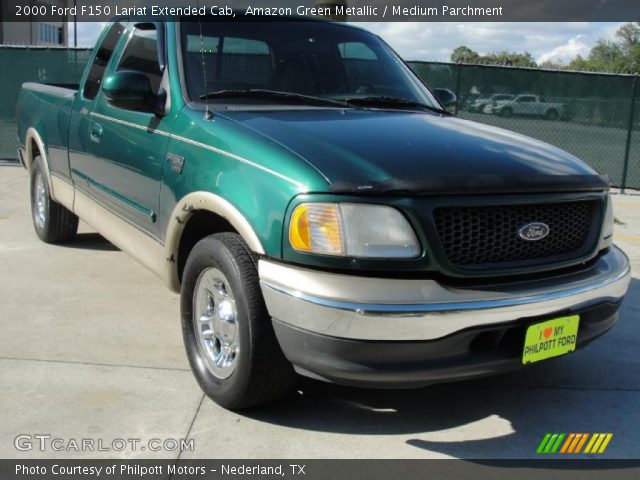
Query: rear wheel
x=228, y=335
x=552, y=115
x=53, y=222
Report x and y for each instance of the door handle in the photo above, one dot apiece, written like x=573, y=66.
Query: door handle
x=95, y=132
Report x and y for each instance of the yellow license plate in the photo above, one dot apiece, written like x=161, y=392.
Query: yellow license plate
x=550, y=339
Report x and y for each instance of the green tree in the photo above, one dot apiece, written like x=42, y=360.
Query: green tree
x=511, y=59
x=464, y=54
x=629, y=34
x=621, y=55
x=618, y=56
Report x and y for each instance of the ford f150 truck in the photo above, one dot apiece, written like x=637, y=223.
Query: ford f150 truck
x=527, y=105
x=318, y=209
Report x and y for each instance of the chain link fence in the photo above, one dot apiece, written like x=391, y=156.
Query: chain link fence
x=594, y=116
x=32, y=64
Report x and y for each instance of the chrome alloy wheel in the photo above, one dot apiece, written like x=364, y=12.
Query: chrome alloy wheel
x=40, y=203
x=215, y=323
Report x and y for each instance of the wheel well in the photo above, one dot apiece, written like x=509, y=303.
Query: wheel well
x=200, y=224
x=35, y=151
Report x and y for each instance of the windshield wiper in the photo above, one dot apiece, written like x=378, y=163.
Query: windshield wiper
x=283, y=97
x=391, y=102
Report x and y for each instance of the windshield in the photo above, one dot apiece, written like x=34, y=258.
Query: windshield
x=311, y=58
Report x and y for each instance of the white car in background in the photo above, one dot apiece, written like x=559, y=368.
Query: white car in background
x=480, y=103
x=527, y=105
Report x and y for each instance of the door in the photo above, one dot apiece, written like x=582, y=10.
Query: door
x=131, y=144
x=82, y=164
x=525, y=105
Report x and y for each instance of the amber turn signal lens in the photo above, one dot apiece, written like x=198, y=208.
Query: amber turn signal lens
x=352, y=230
x=316, y=228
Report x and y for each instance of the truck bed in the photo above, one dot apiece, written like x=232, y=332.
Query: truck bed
x=48, y=106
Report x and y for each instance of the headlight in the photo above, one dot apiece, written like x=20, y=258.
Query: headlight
x=352, y=230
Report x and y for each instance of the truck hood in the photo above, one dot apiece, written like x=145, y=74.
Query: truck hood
x=378, y=150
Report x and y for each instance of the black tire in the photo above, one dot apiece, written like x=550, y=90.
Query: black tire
x=506, y=112
x=262, y=372
x=53, y=223
x=552, y=115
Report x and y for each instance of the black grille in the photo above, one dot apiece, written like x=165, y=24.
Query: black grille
x=477, y=237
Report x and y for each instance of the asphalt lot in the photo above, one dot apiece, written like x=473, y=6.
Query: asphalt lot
x=92, y=349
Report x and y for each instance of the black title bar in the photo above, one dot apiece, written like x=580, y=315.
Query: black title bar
x=349, y=10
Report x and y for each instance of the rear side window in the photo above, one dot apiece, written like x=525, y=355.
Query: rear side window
x=103, y=55
x=141, y=55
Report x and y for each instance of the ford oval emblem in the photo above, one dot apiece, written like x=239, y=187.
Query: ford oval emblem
x=532, y=232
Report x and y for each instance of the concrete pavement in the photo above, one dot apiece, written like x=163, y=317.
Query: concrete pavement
x=92, y=349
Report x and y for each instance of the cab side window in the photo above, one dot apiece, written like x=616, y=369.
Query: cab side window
x=101, y=60
x=141, y=55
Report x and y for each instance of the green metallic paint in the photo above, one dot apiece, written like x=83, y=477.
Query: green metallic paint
x=260, y=186
x=130, y=89
x=92, y=183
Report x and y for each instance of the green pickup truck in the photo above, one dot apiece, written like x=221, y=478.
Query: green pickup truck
x=318, y=209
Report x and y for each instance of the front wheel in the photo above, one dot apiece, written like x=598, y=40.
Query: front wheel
x=228, y=335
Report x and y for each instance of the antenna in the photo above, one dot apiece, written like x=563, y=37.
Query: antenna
x=208, y=115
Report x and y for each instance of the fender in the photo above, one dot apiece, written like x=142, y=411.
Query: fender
x=32, y=135
x=61, y=190
x=184, y=209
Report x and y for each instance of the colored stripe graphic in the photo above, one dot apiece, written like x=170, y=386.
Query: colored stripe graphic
x=573, y=443
x=556, y=445
x=551, y=443
x=581, y=443
x=565, y=447
x=605, y=443
x=598, y=443
x=590, y=444
x=544, y=441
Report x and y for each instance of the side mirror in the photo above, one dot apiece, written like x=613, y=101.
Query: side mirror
x=131, y=91
x=445, y=96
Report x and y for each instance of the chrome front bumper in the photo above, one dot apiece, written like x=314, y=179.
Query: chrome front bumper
x=362, y=308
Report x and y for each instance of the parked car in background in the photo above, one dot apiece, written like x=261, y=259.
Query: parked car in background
x=480, y=103
x=527, y=105
x=477, y=103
